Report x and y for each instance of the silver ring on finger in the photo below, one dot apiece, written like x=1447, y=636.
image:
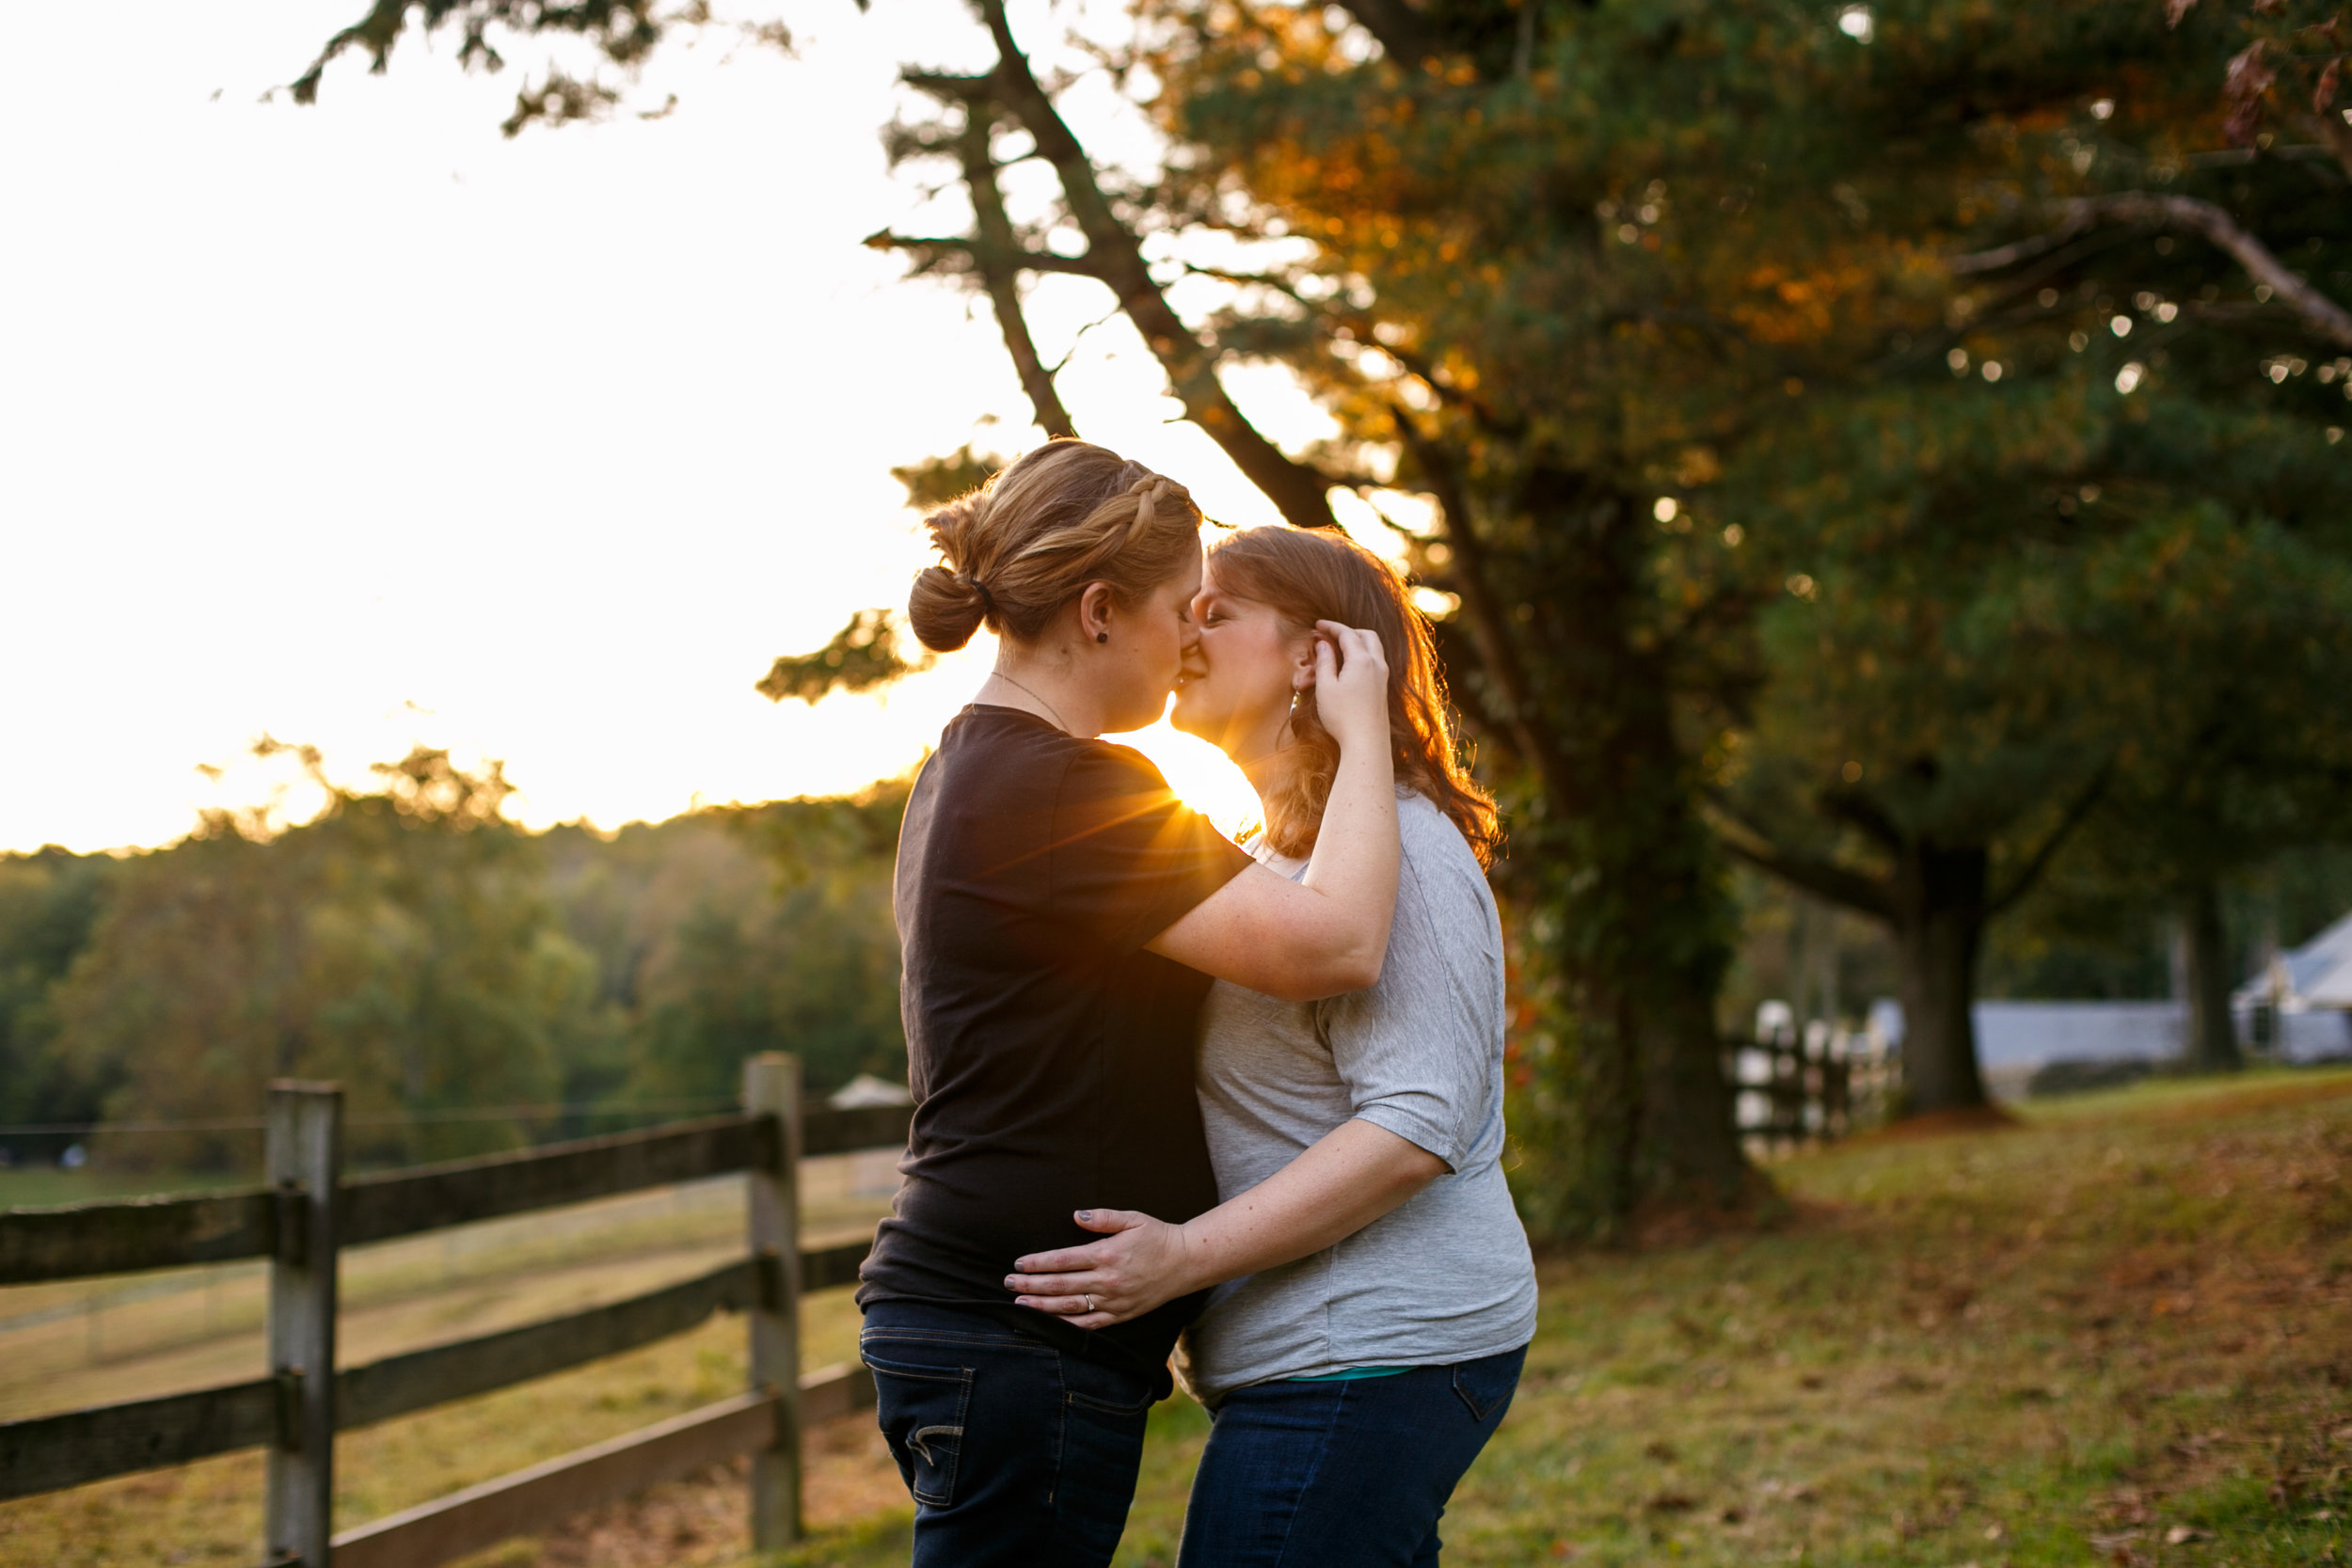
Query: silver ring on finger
x=1089, y=1301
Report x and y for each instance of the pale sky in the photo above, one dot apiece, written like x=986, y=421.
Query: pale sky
x=362, y=425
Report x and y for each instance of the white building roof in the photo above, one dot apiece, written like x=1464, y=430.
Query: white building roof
x=867, y=1090
x=2332, y=988
x=2317, y=975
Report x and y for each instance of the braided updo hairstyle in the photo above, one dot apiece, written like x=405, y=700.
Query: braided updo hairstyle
x=1027, y=542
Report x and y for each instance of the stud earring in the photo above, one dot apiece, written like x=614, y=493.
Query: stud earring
x=1101, y=636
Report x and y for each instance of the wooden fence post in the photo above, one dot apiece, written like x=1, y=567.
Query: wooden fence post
x=305, y=1156
x=772, y=1086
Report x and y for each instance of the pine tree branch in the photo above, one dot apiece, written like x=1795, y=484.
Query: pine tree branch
x=2323, y=316
x=965, y=253
x=1419, y=366
x=1252, y=279
x=1402, y=33
x=1484, y=621
x=2039, y=861
x=1115, y=254
x=1858, y=810
x=1003, y=284
x=862, y=656
x=1869, y=896
x=993, y=254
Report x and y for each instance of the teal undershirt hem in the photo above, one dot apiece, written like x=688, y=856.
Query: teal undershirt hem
x=1351, y=1374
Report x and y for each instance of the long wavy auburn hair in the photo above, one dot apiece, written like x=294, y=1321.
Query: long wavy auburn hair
x=1308, y=575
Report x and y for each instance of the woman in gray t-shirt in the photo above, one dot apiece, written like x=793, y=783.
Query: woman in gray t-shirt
x=1368, y=1327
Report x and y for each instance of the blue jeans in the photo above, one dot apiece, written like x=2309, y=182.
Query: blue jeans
x=1354, y=1474
x=1015, y=1452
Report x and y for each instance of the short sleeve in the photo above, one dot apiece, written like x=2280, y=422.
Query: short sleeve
x=1129, y=859
x=1416, y=1051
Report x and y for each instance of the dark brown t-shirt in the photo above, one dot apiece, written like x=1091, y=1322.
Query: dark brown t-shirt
x=1051, y=1055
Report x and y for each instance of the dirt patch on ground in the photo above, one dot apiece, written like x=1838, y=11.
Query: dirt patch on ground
x=703, y=1519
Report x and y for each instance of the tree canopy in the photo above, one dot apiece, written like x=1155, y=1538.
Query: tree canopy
x=1888, y=443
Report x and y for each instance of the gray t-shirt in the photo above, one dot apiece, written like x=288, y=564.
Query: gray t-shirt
x=1445, y=1277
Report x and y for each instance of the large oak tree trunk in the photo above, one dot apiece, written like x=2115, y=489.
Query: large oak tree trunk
x=1693, y=1148
x=1939, y=928
x=2212, y=1035
x=1621, y=877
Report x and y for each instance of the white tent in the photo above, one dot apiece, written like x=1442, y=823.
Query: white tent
x=2308, y=991
x=2317, y=975
x=2332, y=988
x=867, y=1090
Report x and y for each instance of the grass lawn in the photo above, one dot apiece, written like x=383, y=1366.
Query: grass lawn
x=2120, y=1332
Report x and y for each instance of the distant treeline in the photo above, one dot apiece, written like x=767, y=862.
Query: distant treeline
x=412, y=943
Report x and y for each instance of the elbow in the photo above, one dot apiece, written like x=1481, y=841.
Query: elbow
x=1332, y=974
x=1418, y=1174
x=1357, y=972
x=1352, y=958
x=1357, y=963
x=1329, y=962
x=1411, y=1170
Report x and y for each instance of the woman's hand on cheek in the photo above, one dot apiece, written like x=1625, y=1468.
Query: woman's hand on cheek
x=1140, y=1263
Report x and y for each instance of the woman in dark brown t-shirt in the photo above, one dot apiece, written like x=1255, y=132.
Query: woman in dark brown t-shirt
x=1062, y=915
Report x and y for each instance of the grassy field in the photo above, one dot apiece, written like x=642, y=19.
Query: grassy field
x=2119, y=1332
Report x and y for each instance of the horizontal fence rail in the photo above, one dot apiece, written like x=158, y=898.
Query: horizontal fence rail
x=430, y=1197
x=421, y=1378
x=51, y=1452
x=517, y=1504
x=78, y=1239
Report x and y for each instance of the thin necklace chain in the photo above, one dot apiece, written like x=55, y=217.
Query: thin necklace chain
x=1058, y=719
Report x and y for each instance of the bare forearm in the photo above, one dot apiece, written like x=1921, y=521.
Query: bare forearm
x=1349, y=1178
x=1357, y=849
x=1351, y=876
x=1324, y=938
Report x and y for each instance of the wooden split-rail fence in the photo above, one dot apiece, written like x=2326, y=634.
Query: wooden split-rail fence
x=1789, y=1090
x=308, y=1211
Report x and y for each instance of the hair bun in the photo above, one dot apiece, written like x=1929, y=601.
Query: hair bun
x=953, y=528
x=1016, y=551
x=945, y=609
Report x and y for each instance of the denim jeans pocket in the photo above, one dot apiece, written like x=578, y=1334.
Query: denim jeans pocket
x=922, y=1410
x=1118, y=1409
x=1487, y=1385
